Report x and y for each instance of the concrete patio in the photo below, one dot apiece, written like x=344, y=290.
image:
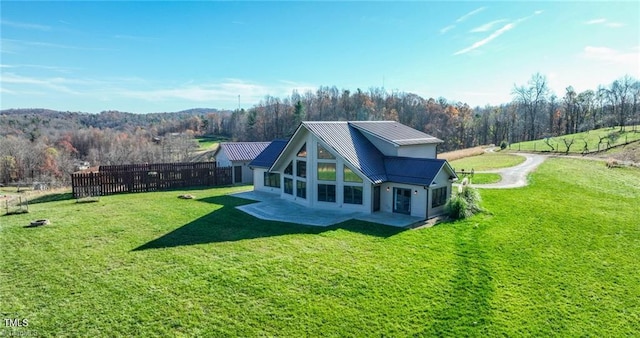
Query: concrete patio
x=272, y=207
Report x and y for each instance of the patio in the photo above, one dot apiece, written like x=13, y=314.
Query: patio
x=272, y=207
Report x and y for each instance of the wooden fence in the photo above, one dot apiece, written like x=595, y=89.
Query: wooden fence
x=115, y=179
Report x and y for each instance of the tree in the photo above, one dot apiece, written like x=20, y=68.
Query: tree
x=531, y=98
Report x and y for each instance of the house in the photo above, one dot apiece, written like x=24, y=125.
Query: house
x=238, y=155
x=363, y=166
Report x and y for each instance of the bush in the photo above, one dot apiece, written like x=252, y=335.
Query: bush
x=457, y=207
x=503, y=145
x=465, y=204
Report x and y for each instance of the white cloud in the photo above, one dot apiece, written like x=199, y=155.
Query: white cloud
x=25, y=25
x=604, y=22
x=461, y=19
x=57, y=84
x=446, y=29
x=486, y=40
x=596, y=21
x=613, y=56
x=487, y=26
x=470, y=14
x=495, y=34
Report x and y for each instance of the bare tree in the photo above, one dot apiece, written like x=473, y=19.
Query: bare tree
x=531, y=98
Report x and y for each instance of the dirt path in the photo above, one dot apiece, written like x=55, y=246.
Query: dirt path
x=514, y=177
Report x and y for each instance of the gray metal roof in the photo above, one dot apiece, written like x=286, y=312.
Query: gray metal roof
x=421, y=171
x=352, y=146
x=269, y=155
x=394, y=132
x=242, y=151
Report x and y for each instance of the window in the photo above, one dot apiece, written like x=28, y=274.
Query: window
x=326, y=171
x=301, y=168
x=324, y=154
x=352, y=195
x=438, y=197
x=272, y=180
x=350, y=176
x=301, y=189
x=288, y=186
x=303, y=151
x=289, y=169
x=326, y=192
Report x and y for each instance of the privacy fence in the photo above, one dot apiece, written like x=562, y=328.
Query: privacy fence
x=115, y=179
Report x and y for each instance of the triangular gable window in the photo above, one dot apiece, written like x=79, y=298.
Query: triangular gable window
x=324, y=154
x=289, y=169
x=303, y=151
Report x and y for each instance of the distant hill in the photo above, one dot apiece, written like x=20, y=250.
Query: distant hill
x=40, y=121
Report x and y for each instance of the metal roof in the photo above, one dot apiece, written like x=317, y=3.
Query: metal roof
x=421, y=171
x=394, y=132
x=242, y=151
x=269, y=155
x=352, y=146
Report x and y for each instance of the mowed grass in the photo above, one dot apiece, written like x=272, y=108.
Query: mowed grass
x=589, y=141
x=557, y=258
x=208, y=143
x=487, y=161
x=485, y=178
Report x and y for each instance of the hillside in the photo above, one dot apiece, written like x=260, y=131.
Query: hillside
x=591, y=141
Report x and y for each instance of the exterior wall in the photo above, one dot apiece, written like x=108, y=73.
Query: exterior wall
x=442, y=180
x=222, y=160
x=418, y=151
x=418, y=198
x=258, y=182
x=312, y=178
x=386, y=148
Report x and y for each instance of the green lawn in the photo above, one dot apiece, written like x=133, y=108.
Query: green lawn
x=485, y=178
x=487, y=161
x=557, y=258
x=208, y=143
x=590, y=138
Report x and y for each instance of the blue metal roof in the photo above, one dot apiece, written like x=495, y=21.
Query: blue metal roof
x=242, y=151
x=352, y=146
x=421, y=171
x=395, y=132
x=269, y=155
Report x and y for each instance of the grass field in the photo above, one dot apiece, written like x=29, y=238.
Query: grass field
x=487, y=161
x=557, y=258
x=485, y=178
x=591, y=138
x=208, y=143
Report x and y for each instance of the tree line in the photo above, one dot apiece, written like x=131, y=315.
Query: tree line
x=45, y=145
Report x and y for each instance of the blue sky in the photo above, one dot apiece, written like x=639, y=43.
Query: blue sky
x=168, y=56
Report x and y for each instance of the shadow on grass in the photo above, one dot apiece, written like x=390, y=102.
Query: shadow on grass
x=52, y=198
x=228, y=224
x=467, y=311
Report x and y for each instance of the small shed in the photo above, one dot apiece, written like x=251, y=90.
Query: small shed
x=238, y=155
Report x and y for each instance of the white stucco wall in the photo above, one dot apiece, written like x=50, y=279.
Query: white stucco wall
x=418, y=151
x=222, y=160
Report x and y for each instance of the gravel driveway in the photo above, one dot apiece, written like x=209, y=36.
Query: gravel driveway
x=514, y=177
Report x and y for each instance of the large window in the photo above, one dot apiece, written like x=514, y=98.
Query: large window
x=326, y=171
x=350, y=176
x=289, y=169
x=324, y=154
x=301, y=168
x=438, y=197
x=301, y=189
x=352, y=195
x=272, y=180
x=326, y=192
x=288, y=186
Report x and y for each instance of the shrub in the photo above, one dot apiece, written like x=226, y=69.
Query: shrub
x=465, y=204
x=457, y=207
x=503, y=145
